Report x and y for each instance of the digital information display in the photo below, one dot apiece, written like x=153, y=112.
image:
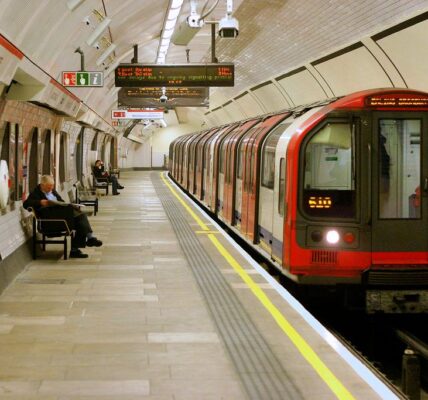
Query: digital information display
x=320, y=202
x=397, y=101
x=150, y=97
x=179, y=75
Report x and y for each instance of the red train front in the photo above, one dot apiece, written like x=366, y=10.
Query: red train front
x=338, y=193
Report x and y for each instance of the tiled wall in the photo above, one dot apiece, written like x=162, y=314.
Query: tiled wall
x=282, y=35
x=13, y=230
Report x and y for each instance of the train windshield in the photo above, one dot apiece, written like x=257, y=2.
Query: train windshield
x=329, y=172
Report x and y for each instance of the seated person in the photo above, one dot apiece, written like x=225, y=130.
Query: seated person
x=41, y=200
x=99, y=172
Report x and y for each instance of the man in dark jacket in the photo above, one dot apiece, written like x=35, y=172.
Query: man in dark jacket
x=100, y=173
x=43, y=200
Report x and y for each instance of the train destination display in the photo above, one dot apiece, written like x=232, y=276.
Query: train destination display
x=179, y=75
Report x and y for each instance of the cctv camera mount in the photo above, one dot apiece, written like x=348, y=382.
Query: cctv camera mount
x=185, y=31
x=228, y=27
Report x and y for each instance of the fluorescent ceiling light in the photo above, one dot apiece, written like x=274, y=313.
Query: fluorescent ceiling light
x=98, y=31
x=168, y=29
x=73, y=4
x=106, y=53
x=176, y=3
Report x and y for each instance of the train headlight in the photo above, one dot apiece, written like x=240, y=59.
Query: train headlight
x=332, y=237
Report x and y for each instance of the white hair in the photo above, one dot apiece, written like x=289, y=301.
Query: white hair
x=47, y=179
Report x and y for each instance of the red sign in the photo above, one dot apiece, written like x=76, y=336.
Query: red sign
x=69, y=78
x=118, y=114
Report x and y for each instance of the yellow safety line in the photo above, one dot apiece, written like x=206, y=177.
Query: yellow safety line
x=213, y=232
x=188, y=209
x=304, y=348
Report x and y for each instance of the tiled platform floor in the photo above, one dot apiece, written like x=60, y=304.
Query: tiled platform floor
x=125, y=323
x=130, y=322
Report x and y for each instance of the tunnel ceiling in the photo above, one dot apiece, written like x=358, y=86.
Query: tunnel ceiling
x=275, y=36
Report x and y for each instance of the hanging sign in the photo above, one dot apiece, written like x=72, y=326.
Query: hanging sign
x=137, y=114
x=83, y=78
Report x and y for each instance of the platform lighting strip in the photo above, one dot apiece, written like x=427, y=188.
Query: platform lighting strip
x=304, y=348
x=168, y=29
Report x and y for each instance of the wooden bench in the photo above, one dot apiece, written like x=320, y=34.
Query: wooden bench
x=49, y=228
x=86, y=197
x=100, y=183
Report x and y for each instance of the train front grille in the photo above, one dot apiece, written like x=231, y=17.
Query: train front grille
x=324, y=257
x=397, y=277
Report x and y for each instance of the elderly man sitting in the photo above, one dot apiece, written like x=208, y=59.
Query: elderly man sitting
x=42, y=199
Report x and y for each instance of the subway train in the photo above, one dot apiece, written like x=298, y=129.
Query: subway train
x=334, y=194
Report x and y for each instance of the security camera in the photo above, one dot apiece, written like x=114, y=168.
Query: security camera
x=163, y=98
x=87, y=21
x=228, y=27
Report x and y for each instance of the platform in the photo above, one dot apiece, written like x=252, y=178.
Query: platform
x=167, y=309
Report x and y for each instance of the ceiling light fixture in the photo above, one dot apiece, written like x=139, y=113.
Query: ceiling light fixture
x=98, y=31
x=106, y=53
x=167, y=30
x=73, y=4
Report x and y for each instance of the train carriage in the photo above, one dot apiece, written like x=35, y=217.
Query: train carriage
x=339, y=194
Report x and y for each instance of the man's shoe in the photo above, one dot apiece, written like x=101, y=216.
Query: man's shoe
x=77, y=254
x=115, y=194
x=121, y=187
x=94, y=242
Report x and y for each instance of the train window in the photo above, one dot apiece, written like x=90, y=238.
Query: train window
x=329, y=173
x=268, y=157
x=399, y=166
x=240, y=157
x=221, y=160
x=281, y=192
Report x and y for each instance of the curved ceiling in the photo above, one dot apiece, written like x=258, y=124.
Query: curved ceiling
x=275, y=36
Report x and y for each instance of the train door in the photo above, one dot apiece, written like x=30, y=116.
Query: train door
x=232, y=185
x=221, y=176
x=203, y=163
x=272, y=177
x=251, y=174
x=399, y=181
x=214, y=174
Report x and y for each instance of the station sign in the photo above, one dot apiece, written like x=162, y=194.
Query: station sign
x=83, y=78
x=178, y=75
x=136, y=114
